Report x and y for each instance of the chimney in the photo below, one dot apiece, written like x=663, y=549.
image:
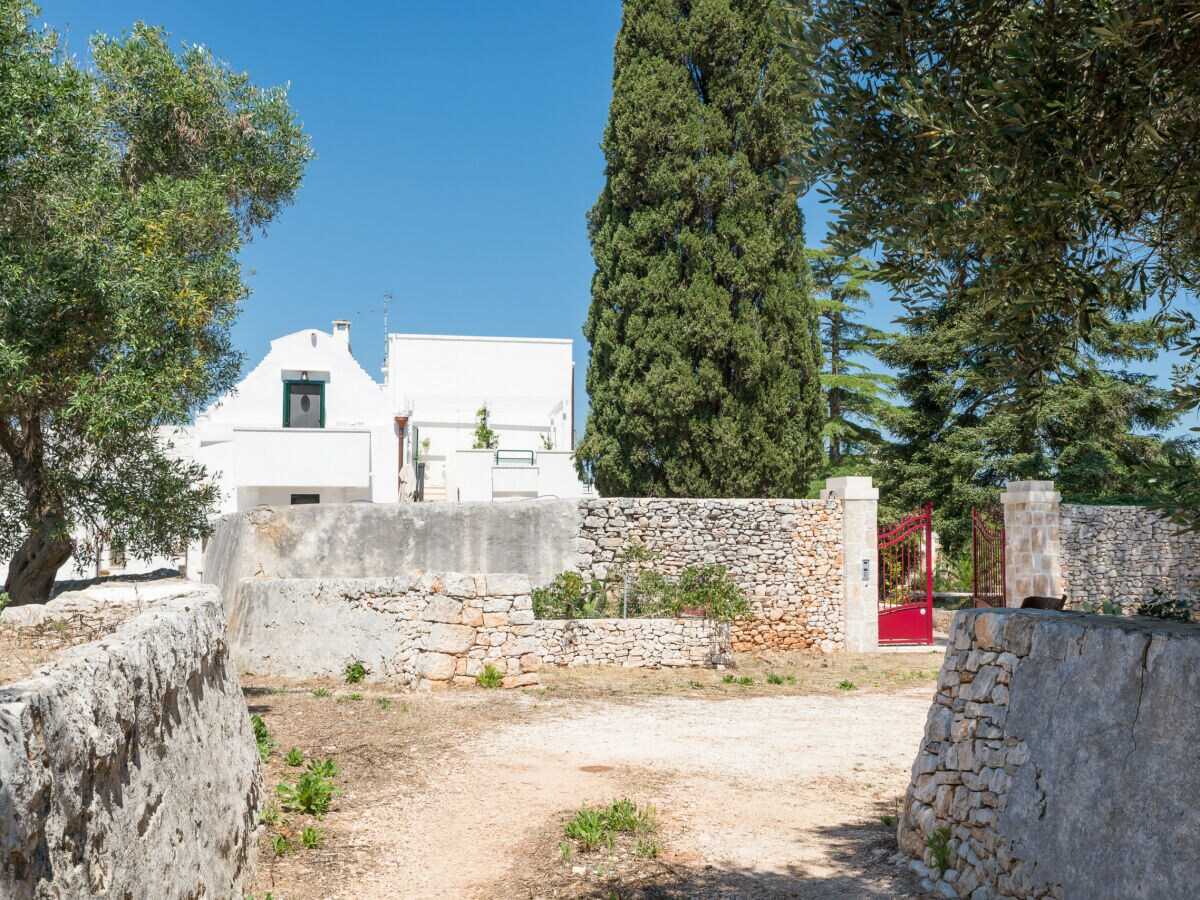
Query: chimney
x=341, y=332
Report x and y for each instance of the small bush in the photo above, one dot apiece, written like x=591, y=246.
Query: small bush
x=1162, y=607
x=595, y=828
x=888, y=821
x=939, y=846
x=383, y=703
x=729, y=679
x=355, y=672
x=312, y=794
x=646, y=849
x=294, y=757
x=490, y=677
x=354, y=696
x=587, y=827
x=262, y=738
x=625, y=815
x=846, y=685
x=568, y=596
x=772, y=678
x=271, y=814
x=311, y=837
x=708, y=591
x=696, y=684
x=325, y=768
x=280, y=843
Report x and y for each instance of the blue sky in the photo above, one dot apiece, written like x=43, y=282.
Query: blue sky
x=458, y=155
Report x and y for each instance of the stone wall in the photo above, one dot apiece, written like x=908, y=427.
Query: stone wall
x=130, y=762
x=650, y=643
x=1059, y=754
x=1122, y=553
x=413, y=630
x=427, y=629
x=785, y=555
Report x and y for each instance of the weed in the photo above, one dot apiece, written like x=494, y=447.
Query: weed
x=587, y=827
x=383, y=703
x=326, y=768
x=698, y=685
x=745, y=681
x=280, y=843
x=773, y=678
x=729, y=679
x=354, y=696
x=625, y=815
x=888, y=821
x=355, y=671
x=262, y=737
x=789, y=679
x=490, y=677
x=564, y=850
x=58, y=625
x=311, y=837
x=846, y=685
x=320, y=692
x=267, y=896
x=403, y=707
x=294, y=757
x=939, y=845
x=312, y=794
x=646, y=849
x=271, y=814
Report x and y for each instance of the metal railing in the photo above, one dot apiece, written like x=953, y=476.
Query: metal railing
x=514, y=458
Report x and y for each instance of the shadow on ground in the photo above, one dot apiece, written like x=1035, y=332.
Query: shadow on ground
x=859, y=852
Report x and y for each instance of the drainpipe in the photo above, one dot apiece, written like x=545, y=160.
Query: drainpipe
x=401, y=424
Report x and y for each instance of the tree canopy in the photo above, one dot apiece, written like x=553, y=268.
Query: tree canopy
x=127, y=189
x=704, y=370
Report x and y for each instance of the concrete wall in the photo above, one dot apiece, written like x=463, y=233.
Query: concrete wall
x=128, y=767
x=379, y=541
x=1123, y=553
x=1060, y=752
x=785, y=555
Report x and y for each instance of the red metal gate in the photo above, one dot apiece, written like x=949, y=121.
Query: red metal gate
x=987, y=556
x=906, y=580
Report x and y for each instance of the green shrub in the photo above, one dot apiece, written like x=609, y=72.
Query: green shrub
x=568, y=596
x=490, y=677
x=355, y=671
x=311, y=837
x=624, y=815
x=587, y=827
x=262, y=738
x=646, y=849
x=383, y=703
x=280, y=843
x=772, y=678
x=312, y=794
x=939, y=846
x=1162, y=607
x=294, y=757
x=325, y=768
x=320, y=692
x=846, y=685
x=595, y=828
x=709, y=591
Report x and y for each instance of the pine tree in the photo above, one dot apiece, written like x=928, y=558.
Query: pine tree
x=958, y=439
x=704, y=374
x=856, y=393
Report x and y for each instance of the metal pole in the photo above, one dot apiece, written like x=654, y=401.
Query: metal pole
x=625, y=601
x=929, y=568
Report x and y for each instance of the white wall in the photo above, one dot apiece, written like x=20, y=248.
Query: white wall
x=443, y=380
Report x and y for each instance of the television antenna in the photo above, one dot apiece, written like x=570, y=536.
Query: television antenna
x=388, y=299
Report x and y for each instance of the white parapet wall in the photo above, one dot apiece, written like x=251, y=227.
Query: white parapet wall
x=1059, y=759
x=128, y=766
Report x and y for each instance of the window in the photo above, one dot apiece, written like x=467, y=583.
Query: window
x=302, y=499
x=304, y=404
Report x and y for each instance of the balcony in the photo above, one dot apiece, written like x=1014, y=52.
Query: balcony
x=289, y=457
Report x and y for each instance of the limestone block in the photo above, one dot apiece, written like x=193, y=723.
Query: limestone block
x=442, y=609
x=435, y=666
x=445, y=638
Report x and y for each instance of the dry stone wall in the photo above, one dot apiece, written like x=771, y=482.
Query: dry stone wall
x=1059, y=759
x=650, y=643
x=1124, y=553
x=427, y=629
x=785, y=555
x=130, y=761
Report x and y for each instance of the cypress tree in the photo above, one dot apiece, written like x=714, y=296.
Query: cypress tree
x=704, y=368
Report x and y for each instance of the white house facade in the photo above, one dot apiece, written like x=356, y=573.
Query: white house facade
x=440, y=383
x=306, y=425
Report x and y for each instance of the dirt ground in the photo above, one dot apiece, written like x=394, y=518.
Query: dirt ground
x=761, y=790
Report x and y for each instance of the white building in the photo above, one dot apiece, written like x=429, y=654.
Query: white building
x=306, y=425
x=309, y=425
x=439, y=383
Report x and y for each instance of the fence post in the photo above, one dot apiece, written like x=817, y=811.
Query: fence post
x=860, y=559
x=1033, y=540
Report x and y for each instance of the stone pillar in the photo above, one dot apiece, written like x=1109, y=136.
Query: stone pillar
x=860, y=559
x=1033, y=541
